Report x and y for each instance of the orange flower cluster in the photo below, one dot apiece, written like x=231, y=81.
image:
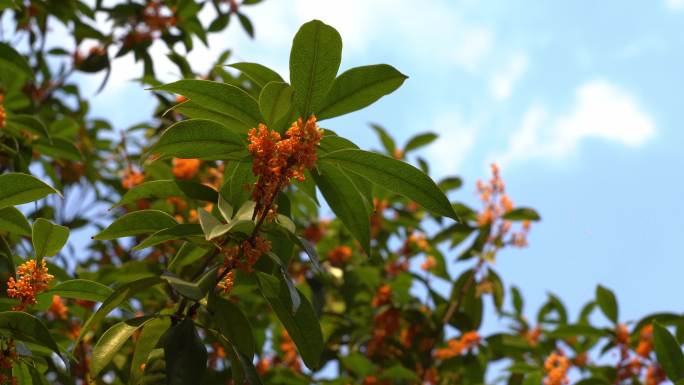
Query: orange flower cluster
x=315, y=231
x=3, y=114
x=340, y=255
x=185, y=168
x=131, y=178
x=556, y=367
x=457, y=346
x=227, y=282
x=429, y=264
x=158, y=17
x=645, y=341
x=57, y=309
x=8, y=355
x=217, y=355
x=654, y=375
x=278, y=160
x=497, y=203
x=32, y=281
x=532, y=335
x=290, y=357
x=251, y=252
x=383, y=296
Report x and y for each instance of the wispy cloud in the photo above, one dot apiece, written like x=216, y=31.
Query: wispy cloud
x=457, y=139
x=502, y=83
x=674, y=5
x=601, y=110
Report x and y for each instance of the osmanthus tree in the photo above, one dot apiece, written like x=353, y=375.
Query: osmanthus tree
x=230, y=273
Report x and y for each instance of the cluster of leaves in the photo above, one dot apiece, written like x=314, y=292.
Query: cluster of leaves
x=356, y=298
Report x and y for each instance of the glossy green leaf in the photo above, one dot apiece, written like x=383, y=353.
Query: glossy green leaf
x=17, y=123
x=193, y=110
x=386, y=140
x=345, y=200
x=224, y=98
x=120, y=294
x=161, y=189
x=58, y=148
x=25, y=327
x=109, y=344
x=522, y=214
x=82, y=289
x=13, y=221
x=314, y=60
x=303, y=326
x=136, y=223
x=146, y=342
x=233, y=325
x=187, y=231
x=359, y=87
x=275, y=102
x=48, y=238
x=607, y=302
x=17, y=188
x=239, y=179
x=225, y=208
x=192, y=290
x=394, y=175
x=669, y=352
x=188, y=254
x=185, y=354
x=13, y=61
x=419, y=141
x=259, y=74
x=199, y=138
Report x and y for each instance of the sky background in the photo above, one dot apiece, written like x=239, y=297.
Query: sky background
x=579, y=102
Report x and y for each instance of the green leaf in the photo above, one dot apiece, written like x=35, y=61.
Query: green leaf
x=194, y=110
x=669, y=352
x=419, y=141
x=246, y=24
x=246, y=366
x=607, y=302
x=109, y=344
x=314, y=60
x=394, y=175
x=450, y=183
x=225, y=208
x=303, y=326
x=359, y=87
x=148, y=339
x=399, y=373
x=80, y=289
x=208, y=222
x=245, y=226
x=136, y=223
x=192, y=290
x=13, y=61
x=187, y=254
x=16, y=123
x=17, y=188
x=233, y=325
x=199, y=138
x=25, y=327
x=160, y=189
x=522, y=214
x=258, y=73
x=275, y=102
x=180, y=231
x=121, y=294
x=237, y=187
x=345, y=200
x=185, y=354
x=13, y=221
x=48, y=238
x=220, y=97
x=385, y=139
x=58, y=148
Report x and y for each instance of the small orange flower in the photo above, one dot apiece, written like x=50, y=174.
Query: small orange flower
x=131, y=178
x=340, y=255
x=3, y=116
x=429, y=264
x=645, y=341
x=57, y=309
x=32, y=281
x=227, y=283
x=383, y=296
x=185, y=168
x=654, y=375
x=457, y=346
x=290, y=357
x=556, y=367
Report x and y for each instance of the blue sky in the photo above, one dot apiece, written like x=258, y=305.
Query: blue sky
x=579, y=102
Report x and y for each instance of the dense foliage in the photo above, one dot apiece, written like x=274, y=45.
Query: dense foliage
x=215, y=264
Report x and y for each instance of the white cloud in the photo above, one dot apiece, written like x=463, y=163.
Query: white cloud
x=674, y=5
x=456, y=140
x=502, y=83
x=601, y=110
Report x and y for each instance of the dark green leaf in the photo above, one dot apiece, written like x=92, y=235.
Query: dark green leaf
x=259, y=74
x=185, y=354
x=17, y=188
x=13, y=221
x=179, y=231
x=109, y=344
x=25, y=327
x=148, y=339
x=275, y=102
x=233, y=325
x=669, y=352
x=522, y=214
x=199, y=138
x=48, y=238
x=607, y=302
x=136, y=223
x=419, y=141
x=160, y=189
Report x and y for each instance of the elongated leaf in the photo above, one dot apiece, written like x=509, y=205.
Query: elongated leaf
x=192, y=290
x=208, y=222
x=17, y=188
x=394, y=175
x=259, y=74
x=275, y=102
x=48, y=238
x=246, y=366
x=314, y=60
x=25, y=327
x=359, y=87
x=121, y=294
x=179, y=231
x=148, y=339
x=109, y=344
x=233, y=325
x=199, y=138
x=13, y=61
x=385, y=139
x=17, y=123
x=669, y=352
x=80, y=289
x=194, y=110
x=58, y=148
x=239, y=179
x=136, y=223
x=187, y=254
x=303, y=326
x=13, y=221
x=607, y=302
x=419, y=141
x=185, y=354
x=522, y=214
x=224, y=98
x=345, y=200
x=160, y=189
